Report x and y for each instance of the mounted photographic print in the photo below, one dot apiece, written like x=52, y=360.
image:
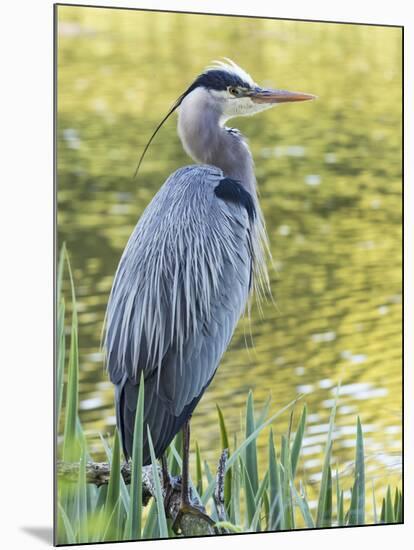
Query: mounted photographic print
x=228, y=275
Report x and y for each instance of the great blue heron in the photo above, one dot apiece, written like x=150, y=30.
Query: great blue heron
x=189, y=267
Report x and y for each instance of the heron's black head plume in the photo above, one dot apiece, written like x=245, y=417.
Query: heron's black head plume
x=176, y=104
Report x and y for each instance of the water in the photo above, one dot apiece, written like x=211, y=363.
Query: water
x=329, y=174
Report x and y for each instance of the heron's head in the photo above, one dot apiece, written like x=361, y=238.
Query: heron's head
x=230, y=90
x=225, y=90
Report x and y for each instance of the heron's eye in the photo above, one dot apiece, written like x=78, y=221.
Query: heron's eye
x=234, y=91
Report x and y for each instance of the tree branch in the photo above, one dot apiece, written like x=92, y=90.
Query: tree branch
x=99, y=473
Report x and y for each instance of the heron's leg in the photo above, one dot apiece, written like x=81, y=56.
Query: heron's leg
x=166, y=482
x=185, y=484
x=165, y=473
x=187, y=506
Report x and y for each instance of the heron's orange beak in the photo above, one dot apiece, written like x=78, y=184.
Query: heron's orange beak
x=263, y=95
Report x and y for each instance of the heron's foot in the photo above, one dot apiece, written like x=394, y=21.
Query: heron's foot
x=187, y=508
x=171, y=484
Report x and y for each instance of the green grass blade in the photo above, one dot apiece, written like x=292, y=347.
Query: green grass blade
x=110, y=525
x=323, y=494
x=178, y=458
x=327, y=518
x=396, y=504
x=289, y=433
x=177, y=444
x=297, y=442
x=259, y=501
x=235, y=491
x=71, y=450
x=135, y=505
x=162, y=520
x=325, y=490
x=113, y=496
x=125, y=498
x=223, y=429
x=251, y=450
x=60, y=360
x=114, y=479
x=266, y=509
x=262, y=488
x=399, y=518
x=150, y=530
x=399, y=514
x=107, y=448
x=341, y=517
x=68, y=530
x=360, y=475
x=60, y=269
x=353, y=515
x=382, y=515
x=264, y=412
x=225, y=445
x=91, y=497
x=254, y=527
x=286, y=483
x=284, y=449
x=389, y=510
x=248, y=496
x=210, y=480
x=374, y=504
x=303, y=506
x=199, y=472
x=100, y=502
x=207, y=471
x=357, y=508
x=338, y=492
x=276, y=508
x=82, y=500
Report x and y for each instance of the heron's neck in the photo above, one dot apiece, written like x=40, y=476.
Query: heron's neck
x=207, y=141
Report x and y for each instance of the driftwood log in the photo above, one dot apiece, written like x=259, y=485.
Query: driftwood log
x=189, y=524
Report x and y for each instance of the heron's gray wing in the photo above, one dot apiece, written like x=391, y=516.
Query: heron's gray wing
x=181, y=286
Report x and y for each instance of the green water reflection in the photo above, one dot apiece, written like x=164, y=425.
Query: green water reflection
x=329, y=174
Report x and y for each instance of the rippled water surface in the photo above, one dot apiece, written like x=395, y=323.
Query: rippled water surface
x=329, y=174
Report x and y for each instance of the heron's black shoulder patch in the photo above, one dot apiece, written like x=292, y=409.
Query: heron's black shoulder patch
x=232, y=191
